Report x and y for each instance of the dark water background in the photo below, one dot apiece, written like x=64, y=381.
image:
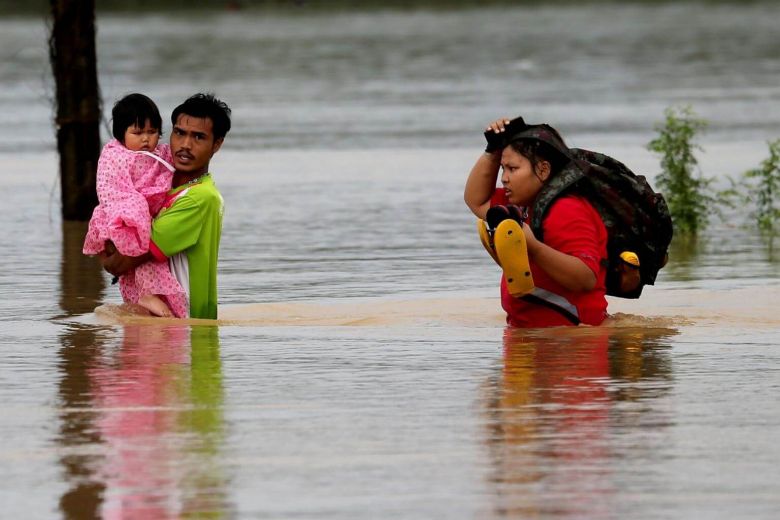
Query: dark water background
x=363, y=370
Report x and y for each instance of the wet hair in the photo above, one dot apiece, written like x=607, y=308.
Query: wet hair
x=134, y=109
x=206, y=105
x=536, y=151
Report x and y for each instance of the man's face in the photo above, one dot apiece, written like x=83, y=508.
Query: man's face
x=193, y=144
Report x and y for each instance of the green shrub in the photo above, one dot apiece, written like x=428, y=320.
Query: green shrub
x=687, y=194
x=763, y=184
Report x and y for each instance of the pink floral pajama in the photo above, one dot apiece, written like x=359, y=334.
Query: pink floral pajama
x=131, y=189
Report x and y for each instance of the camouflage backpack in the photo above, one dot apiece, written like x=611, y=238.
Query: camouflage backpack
x=636, y=217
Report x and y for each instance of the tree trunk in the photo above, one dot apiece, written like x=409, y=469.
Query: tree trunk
x=74, y=64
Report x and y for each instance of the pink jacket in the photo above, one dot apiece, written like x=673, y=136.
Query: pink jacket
x=131, y=188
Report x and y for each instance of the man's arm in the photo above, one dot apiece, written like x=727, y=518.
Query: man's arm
x=118, y=264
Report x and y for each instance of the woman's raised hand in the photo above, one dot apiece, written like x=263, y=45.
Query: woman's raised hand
x=498, y=126
x=495, y=137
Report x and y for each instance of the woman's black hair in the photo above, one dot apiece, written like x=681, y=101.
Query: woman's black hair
x=535, y=151
x=206, y=105
x=134, y=109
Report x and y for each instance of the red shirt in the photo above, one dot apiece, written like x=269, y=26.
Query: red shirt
x=574, y=227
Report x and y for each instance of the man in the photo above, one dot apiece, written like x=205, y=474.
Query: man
x=187, y=230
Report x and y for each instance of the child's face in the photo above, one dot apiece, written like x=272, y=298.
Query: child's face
x=145, y=138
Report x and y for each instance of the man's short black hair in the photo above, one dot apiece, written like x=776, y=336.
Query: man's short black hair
x=134, y=109
x=206, y=105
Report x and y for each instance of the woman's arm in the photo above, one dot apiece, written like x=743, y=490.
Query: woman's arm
x=575, y=243
x=567, y=270
x=481, y=183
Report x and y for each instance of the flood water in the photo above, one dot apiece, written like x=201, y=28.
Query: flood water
x=361, y=367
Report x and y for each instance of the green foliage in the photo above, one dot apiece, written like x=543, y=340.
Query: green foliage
x=687, y=194
x=763, y=187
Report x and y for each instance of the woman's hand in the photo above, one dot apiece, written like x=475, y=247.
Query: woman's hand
x=496, y=133
x=498, y=126
x=532, y=243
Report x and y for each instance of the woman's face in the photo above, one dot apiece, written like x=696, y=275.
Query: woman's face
x=520, y=182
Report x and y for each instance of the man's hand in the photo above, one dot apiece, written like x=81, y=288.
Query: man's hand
x=118, y=264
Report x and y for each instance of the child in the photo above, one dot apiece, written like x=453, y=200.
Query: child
x=134, y=174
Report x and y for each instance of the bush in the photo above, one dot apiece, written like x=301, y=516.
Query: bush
x=762, y=186
x=687, y=194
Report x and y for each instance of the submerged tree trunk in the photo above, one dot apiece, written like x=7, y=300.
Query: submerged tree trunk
x=74, y=64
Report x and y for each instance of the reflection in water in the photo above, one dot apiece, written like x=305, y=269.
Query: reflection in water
x=161, y=422
x=81, y=287
x=770, y=247
x=204, y=482
x=80, y=276
x=78, y=436
x=684, y=253
x=143, y=426
x=550, y=414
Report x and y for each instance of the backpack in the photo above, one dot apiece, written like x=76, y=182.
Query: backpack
x=636, y=217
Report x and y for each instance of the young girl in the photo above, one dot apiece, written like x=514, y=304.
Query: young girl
x=569, y=267
x=134, y=174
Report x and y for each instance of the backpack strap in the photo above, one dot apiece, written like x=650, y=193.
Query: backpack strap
x=555, y=302
x=568, y=179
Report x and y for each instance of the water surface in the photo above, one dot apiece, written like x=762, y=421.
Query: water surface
x=362, y=367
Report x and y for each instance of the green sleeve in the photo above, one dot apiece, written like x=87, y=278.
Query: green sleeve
x=177, y=228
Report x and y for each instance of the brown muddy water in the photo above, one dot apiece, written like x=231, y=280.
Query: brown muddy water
x=361, y=367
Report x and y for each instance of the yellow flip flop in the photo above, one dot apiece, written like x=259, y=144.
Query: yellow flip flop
x=486, y=239
x=512, y=252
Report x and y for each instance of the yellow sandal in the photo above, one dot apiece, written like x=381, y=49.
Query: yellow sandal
x=512, y=255
x=486, y=239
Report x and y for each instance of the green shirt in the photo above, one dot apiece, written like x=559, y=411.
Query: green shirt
x=188, y=233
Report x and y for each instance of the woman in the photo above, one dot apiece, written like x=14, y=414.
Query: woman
x=571, y=262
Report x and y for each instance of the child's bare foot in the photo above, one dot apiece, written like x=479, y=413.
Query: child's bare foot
x=155, y=305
